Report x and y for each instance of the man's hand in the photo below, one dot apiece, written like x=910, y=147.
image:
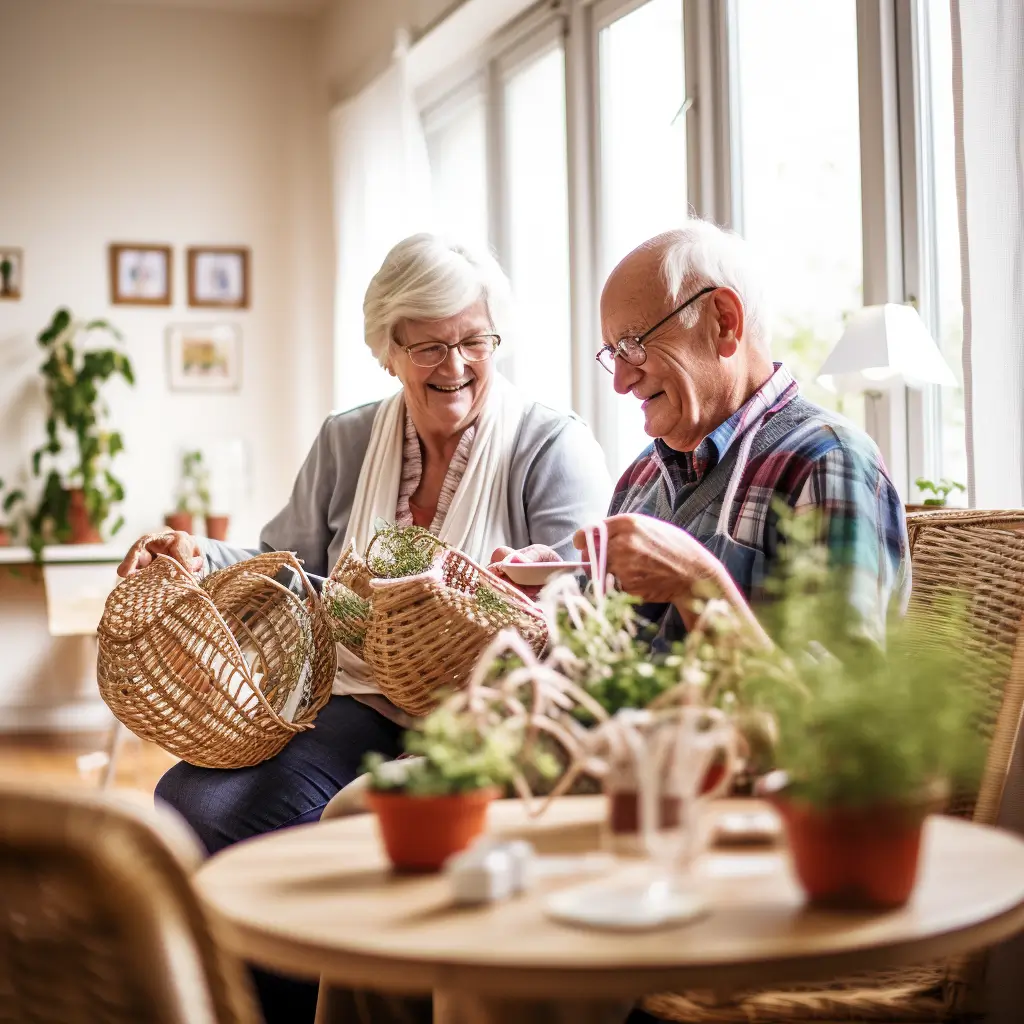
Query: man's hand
x=654, y=560
x=533, y=553
x=182, y=547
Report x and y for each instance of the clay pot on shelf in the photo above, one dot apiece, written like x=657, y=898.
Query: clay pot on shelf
x=82, y=529
x=5, y=537
x=421, y=832
x=217, y=527
x=861, y=858
x=179, y=521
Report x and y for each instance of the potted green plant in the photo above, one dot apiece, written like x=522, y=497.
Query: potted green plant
x=435, y=804
x=10, y=501
x=939, y=490
x=193, y=494
x=873, y=732
x=76, y=503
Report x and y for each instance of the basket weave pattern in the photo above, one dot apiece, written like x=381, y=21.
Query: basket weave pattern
x=221, y=673
x=427, y=631
x=979, y=556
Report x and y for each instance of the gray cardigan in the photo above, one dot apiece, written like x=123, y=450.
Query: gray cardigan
x=558, y=482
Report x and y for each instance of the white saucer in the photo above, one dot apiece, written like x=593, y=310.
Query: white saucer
x=623, y=907
x=536, y=574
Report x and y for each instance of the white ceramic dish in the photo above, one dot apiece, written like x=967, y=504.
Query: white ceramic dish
x=623, y=907
x=536, y=574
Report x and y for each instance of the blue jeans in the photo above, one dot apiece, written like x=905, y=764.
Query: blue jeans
x=224, y=806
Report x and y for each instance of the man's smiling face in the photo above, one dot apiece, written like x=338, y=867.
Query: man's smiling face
x=684, y=384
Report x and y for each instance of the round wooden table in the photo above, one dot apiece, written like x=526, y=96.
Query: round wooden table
x=319, y=900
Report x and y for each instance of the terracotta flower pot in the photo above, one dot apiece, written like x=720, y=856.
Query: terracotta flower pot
x=421, y=832
x=217, y=527
x=5, y=537
x=179, y=521
x=858, y=858
x=82, y=529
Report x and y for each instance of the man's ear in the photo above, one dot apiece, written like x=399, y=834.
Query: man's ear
x=728, y=316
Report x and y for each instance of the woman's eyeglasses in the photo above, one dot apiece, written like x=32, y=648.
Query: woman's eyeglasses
x=632, y=349
x=477, y=349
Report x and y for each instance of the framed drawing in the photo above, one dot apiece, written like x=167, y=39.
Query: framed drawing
x=11, y=262
x=204, y=357
x=218, y=277
x=140, y=275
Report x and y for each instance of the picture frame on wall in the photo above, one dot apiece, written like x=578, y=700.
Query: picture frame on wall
x=140, y=274
x=11, y=269
x=218, y=277
x=204, y=357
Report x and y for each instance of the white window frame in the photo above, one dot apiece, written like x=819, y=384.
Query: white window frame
x=896, y=189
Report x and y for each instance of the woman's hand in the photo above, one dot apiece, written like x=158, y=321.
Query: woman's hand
x=182, y=547
x=533, y=553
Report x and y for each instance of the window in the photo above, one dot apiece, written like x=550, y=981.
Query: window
x=642, y=158
x=536, y=224
x=941, y=303
x=456, y=134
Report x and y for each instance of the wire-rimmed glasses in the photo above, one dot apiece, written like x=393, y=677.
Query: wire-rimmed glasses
x=477, y=349
x=632, y=349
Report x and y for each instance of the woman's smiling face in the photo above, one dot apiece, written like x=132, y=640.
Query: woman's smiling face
x=445, y=399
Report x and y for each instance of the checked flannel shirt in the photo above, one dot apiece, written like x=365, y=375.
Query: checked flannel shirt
x=824, y=463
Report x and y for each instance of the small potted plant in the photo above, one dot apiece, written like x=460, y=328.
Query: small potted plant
x=76, y=503
x=10, y=501
x=435, y=804
x=939, y=490
x=872, y=732
x=193, y=494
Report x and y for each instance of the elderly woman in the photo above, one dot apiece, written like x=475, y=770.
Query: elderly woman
x=457, y=450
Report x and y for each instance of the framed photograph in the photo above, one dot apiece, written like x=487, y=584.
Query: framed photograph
x=11, y=262
x=218, y=277
x=204, y=357
x=140, y=275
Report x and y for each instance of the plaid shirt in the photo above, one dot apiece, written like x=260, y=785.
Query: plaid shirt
x=822, y=463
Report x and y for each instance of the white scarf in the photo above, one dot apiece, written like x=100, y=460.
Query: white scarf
x=477, y=521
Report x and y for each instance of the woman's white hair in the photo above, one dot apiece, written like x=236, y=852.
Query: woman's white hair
x=427, y=277
x=700, y=255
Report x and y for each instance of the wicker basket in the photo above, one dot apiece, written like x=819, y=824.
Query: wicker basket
x=426, y=631
x=221, y=673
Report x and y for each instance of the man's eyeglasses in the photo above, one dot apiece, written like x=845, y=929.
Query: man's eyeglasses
x=477, y=349
x=632, y=349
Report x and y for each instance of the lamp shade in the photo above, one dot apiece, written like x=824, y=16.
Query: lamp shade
x=883, y=346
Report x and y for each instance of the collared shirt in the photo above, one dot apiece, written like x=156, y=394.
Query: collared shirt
x=823, y=463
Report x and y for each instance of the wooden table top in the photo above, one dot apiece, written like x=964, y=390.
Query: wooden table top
x=320, y=899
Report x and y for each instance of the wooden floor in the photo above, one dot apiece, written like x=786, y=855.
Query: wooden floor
x=79, y=761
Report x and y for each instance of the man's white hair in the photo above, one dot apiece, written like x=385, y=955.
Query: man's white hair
x=700, y=255
x=427, y=277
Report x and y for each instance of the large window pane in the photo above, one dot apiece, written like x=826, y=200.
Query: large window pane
x=799, y=172
x=457, y=147
x=537, y=220
x=643, y=159
x=945, y=313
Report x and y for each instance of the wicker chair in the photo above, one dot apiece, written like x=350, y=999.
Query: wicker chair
x=98, y=921
x=979, y=555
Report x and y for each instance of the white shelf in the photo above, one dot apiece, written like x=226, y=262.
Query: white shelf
x=65, y=554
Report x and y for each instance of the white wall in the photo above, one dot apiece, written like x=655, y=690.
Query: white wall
x=140, y=124
x=182, y=127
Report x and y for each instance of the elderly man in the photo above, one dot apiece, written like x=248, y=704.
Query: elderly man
x=685, y=334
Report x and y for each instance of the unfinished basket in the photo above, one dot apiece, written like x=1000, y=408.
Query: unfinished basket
x=426, y=631
x=346, y=594
x=223, y=672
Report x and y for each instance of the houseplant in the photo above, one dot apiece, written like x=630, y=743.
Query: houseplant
x=79, y=489
x=939, y=490
x=871, y=736
x=10, y=501
x=193, y=494
x=432, y=806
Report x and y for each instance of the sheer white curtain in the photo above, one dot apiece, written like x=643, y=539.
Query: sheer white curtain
x=381, y=195
x=988, y=89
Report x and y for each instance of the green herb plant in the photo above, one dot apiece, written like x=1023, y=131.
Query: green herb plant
x=455, y=755
x=939, y=490
x=74, y=369
x=398, y=551
x=193, y=494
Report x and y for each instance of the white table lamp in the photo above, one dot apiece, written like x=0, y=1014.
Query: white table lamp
x=885, y=346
